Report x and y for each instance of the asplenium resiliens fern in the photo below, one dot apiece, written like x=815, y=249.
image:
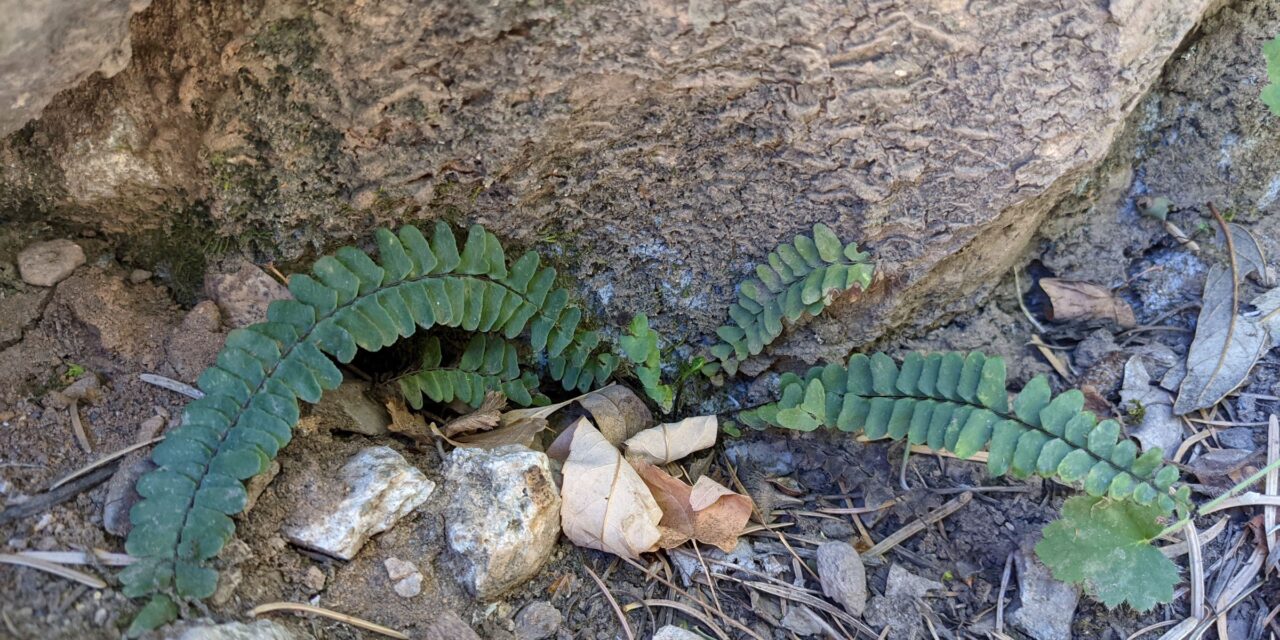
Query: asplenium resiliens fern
x=1271, y=92
x=959, y=403
x=489, y=363
x=800, y=277
x=640, y=346
x=349, y=302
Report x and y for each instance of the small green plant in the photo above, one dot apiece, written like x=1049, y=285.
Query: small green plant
x=74, y=371
x=800, y=277
x=350, y=302
x=1271, y=92
x=640, y=346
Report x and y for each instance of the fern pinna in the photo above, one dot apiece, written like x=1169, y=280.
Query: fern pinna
x=801, y=277
x=959, y=403
x=349, y=302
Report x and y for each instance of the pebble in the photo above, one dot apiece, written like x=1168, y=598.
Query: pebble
x=314, y=579
x=139, y=276
x=45, y=264
x=407, y=578
x=897, y=610
x=259, y=630
x=377, y=488
x=672, y=632
x=802, y=621
x=503, y=516
x=243, y=292
x=842, y=576
x=537, y=620
x=410, y=586
x=1047, y=605
x=1236, y=438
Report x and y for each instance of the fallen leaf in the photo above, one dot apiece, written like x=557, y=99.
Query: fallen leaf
x=1226, y=344
x=1072, y=300
x=484, y=418
x=604, y=503
x=618, y=412
x=523, y=432
x=406, y=422
x=706, y=512
x=1249, y=254
x=1218, y=463
x=1159, y=427
x=667, y=442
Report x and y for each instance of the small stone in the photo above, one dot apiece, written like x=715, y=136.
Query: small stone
x=409, y=586
x=314, y=579
x=139, y=276
x=503, y=517
x=194, y=344
x=537, y=620
x=257, y=484
x=898, y=609
x=121, y=495
x=243, y=292
x=397, y=568
x=1047, y=605
x=377, y=488
x=448, y=626
x=45, y=264
x=259, y=630
x=903, y=583
x=672, y=632
x=1237, y=438
x=842, y=576
x=802, y=621
x=228, y=581
x=348, y=408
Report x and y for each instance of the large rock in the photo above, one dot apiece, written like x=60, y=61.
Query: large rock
x=656, y=154
x=503, y=516
x=377, y=488
x=46, y=47
x=47, y=263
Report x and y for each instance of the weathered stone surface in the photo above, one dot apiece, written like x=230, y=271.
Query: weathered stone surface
x=377, y=487
x=503, y=516
x=348, y=408
x=672, y=632
x=898, y=609
x=842, y=576
x=243, y=293
x=537, y=620
x=46, y=47
x=121, y=495
x=1047, y=606
x=258, y=630
x=194, y=344
x=657, y=154
x=19, y=310
x=47, y=263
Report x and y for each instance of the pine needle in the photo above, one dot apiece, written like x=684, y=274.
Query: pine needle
x=55, y=569
x=327, y=613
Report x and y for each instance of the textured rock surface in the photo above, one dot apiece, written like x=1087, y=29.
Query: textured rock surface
x=46, y=47
x=243, y=292
x=503, y=516
x=1047, y=606
x=842, y=576
x=537, y=620
x=47, y=263
x=259, y=630
x=377, y=488
x=348, y=408
x=655, y=152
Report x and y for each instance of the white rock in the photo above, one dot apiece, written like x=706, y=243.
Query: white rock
x=503, y=516
x=381, y=487
x=45, y=264
x=397, y=568
x=842, y=576
x=409, y=586
x=672, y=632
x=259, y=630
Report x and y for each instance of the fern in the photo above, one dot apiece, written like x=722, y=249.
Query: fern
x=640, y=346
x=489, y=363
x=958, y=403
x=579, y=367
x=800, y=277
x=252, y=393
x=1271, y=92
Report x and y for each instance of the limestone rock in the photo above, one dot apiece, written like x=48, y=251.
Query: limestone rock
x=1047, y=605
x=258, y=630
x=377, y=487
x=842, y=576
x=243, y=292
x=537, y=620
x=45, y=264
x=672, y=632
x=503, y=516
x=407, y=578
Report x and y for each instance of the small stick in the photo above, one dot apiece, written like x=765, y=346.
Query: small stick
x=1246, y=499
x=622, y=617
x=710, y=583
x=57, y=496
x=917, y=526
x=172, y=385
x=1017, y=293
x=55, y=569
x=327, y=613
x=81, y=437
x=103, y=460
x=1004, y=584
x=97, y=556
x=1178, y=548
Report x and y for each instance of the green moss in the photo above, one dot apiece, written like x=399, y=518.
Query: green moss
x=178, y=252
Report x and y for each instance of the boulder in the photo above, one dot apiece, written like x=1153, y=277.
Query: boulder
x=667, y=162
x=503, y=516
x=377, y=487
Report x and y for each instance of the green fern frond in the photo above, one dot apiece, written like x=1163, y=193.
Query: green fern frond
x=958, y=402
x=798, y=278
x=640, y=346
x=349, y=302
x=579, y=368
x=489, y=363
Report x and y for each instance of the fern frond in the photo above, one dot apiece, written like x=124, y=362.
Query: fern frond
x=348, y=302
x=958, y=402
x=798, y=278
x=640, y=346
x=579, y=367
x=489, y=363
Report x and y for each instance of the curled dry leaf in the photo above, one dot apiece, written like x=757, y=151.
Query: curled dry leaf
x=706, y=512
x=485, y=417
x=668, y=442
x=604, y=503
x=1073, y=300
x=618, y=412
x=406, y=422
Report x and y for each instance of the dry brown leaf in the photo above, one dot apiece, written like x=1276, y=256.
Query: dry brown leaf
x=406, y=422
x=1075, y=300
x=617, y=411
x=522, y=432
x=706, y=512
x=668, y=442
x=605, y=504
x=484, y=418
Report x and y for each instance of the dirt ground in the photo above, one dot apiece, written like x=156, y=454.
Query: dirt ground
x=100, y=323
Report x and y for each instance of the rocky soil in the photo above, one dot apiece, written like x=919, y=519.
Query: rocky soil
x=434, y=543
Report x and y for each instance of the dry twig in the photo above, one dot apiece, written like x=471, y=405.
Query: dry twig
x=327, y=613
